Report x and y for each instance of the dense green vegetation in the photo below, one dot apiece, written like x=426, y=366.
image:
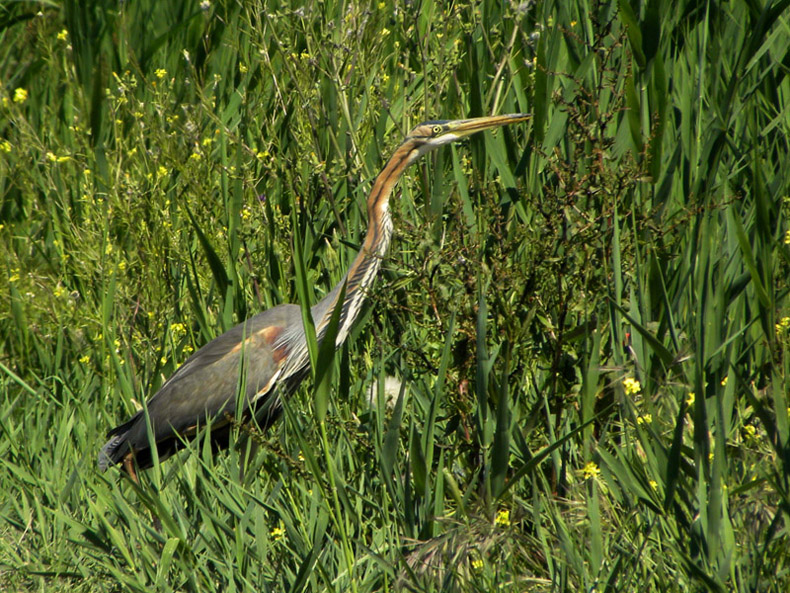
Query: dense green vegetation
x=572, y=374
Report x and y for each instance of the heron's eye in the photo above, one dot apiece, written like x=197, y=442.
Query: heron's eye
x=437, y=129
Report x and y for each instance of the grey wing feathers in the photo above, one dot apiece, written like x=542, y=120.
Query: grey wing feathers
x=206, y=385
x=107, y=455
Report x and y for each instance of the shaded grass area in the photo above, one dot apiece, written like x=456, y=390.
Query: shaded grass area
x=572, y=373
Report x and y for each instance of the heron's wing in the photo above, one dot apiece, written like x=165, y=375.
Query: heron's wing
x=206, y=385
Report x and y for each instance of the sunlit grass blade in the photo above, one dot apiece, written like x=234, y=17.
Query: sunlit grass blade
x=215, y=263
x=500, y=448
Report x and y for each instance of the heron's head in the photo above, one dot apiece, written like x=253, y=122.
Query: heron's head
x=430, y=135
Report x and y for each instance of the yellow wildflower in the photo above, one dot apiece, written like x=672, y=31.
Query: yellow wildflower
x=20, y=95
x=591, y=470
x=63, y=35
x=631, y=386
x=690, y=398
x=502, y=518
x=277, y=533
x=5, y=146
x=85, y=359
x=160, y=73
x=644, y=419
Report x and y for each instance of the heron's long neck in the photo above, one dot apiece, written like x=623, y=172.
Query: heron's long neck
x=362, y=273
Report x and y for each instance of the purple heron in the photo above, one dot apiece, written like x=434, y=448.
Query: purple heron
x=271, y=346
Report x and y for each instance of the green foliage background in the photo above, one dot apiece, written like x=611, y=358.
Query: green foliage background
x=571, y=376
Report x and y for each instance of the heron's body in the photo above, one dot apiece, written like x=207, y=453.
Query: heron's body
x=270, y=347
x=205, y=386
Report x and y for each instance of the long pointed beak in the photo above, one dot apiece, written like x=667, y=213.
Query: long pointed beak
x=465, y=127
